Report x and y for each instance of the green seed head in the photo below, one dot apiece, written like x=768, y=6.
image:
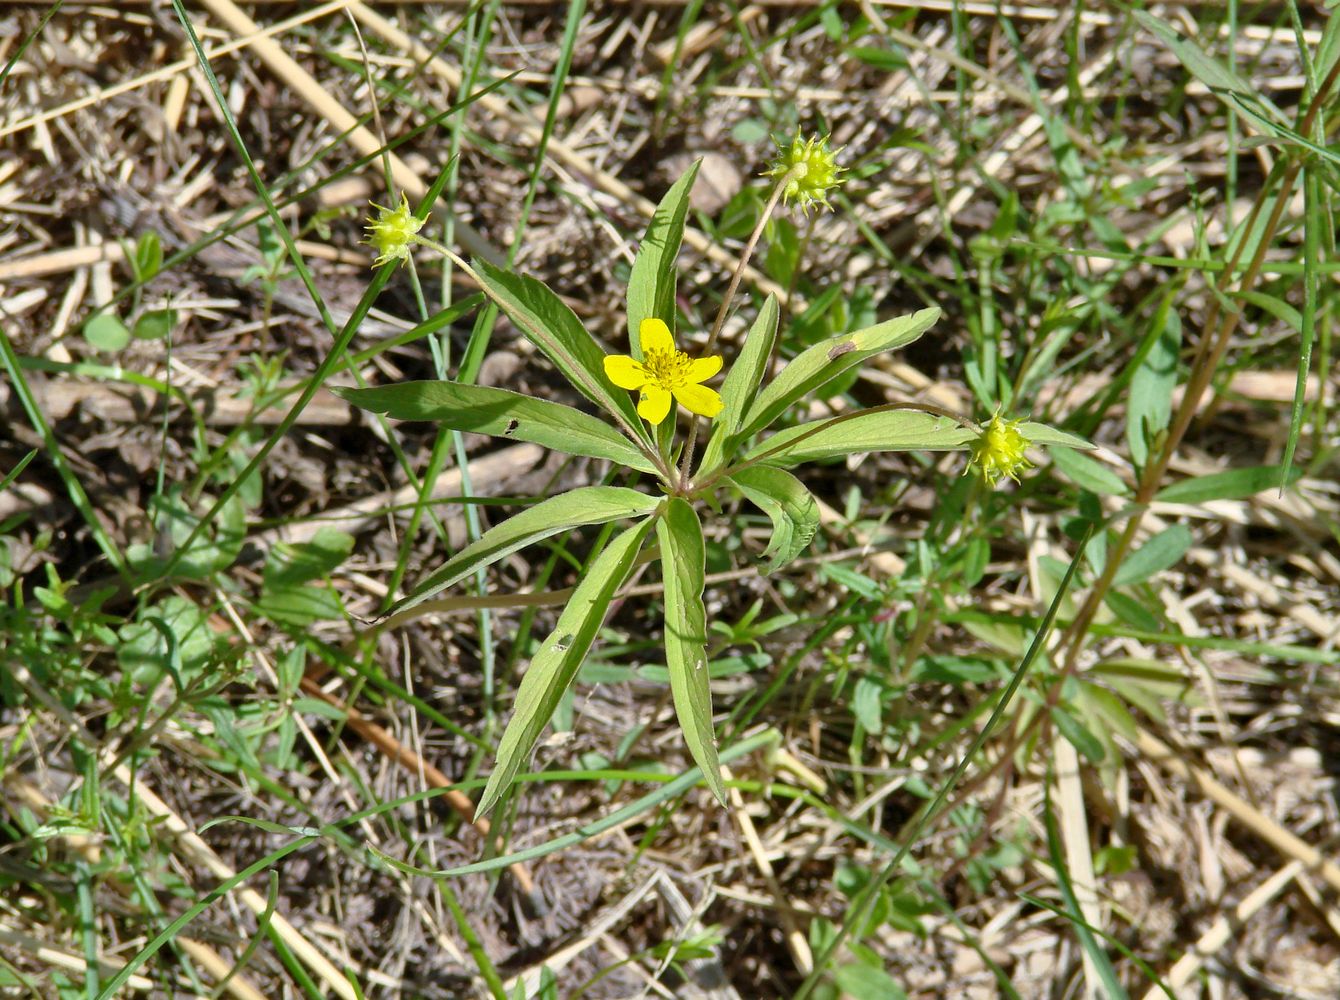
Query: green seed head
x=811, y=168
x=392, y=232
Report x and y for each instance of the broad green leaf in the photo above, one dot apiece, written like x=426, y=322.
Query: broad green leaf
x=683, y=561
x=825, y=361
x=1235, y=484
x=1044, y=434
x=880, y=430
x=174, y=635
x=1088, y=474
x=502, y=413
x=289, y=564
x=301, y=604
x=1150, y=403
x=315, y=706
x=879, y=58
x=106, y=332
x=176, y=522
x=587, y=505
x=1012, y=640
x=1161, y=552
x=1131, y=611
x=555, y=329
x=556, y=663
x=155, y=324
x=1106, y=714
x=944, y=669
x=868, y=983
x=867, y=704
x=791, y=508
x=741, y=384
x=651, y=285
x=850, y=579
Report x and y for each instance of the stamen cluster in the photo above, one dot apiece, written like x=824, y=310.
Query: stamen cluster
x=999, y=450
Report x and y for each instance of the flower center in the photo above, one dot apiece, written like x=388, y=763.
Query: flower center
x=669, y=369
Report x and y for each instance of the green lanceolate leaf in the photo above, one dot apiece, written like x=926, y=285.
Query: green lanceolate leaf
x=502, y=413
x=1053, y=438
x=552, y=669
x=588, y=505
x=741, y=385
x=1235, y=484
x=651, y=286
x=791, y=508
x=555, y=329
x=683, y=561
x=825, y=361
x=1163, y=551
x=1149, y=404
x=881, y=430
x=1088, y=474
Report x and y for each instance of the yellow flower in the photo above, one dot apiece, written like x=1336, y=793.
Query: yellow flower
x=392, y=232
x=815, y=170
x=999, y=450
x=663, y=372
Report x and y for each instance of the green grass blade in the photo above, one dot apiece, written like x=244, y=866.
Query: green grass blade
x=113, y=985
x=12, y=61
x=17, y=471
x=1112, y=988
x=1223, y=81
x=1111, y=939
x=345, y=335
x=1313, y=221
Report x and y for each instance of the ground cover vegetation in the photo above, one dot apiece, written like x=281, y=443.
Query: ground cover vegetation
x=668, y=500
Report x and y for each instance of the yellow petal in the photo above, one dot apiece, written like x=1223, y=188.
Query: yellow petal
x=624, y=372
x=655, y=403
x=701, y=369
x=700, y=399
x=655, y=336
